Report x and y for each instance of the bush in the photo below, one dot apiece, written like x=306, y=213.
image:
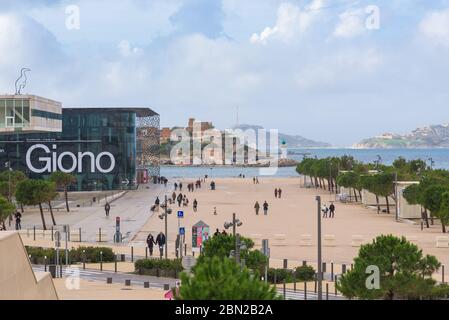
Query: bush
x=305, y=273
x=159, y=267
x=91, y=255
x=281, y=275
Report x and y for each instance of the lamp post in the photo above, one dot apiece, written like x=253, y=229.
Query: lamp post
x=320, y=274
x=431, y=163
x=234, y=224
x=167, y=211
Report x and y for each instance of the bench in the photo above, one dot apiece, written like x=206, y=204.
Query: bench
x=442, y=242
x=329, y=240
x=357, y=240
x=305, y=240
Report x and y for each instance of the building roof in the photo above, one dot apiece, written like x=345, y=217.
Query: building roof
x=140, y=111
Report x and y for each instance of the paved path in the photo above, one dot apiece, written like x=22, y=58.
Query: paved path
x=311, y=295
x=133, y=208
x=119, y=277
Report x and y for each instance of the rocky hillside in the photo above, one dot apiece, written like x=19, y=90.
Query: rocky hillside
x=435, y=136
x=292, y=141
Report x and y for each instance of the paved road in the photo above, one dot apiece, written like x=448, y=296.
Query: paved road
x=119, y=277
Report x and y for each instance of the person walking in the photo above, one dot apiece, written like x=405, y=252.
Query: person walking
x=257, y=180
x=150, y=244
x=254, y=180
x=195, y=205
x=157, y=203
x=160, y=241
x=331, y=210
x=265, y=208
x=179, y=199
x=107, y=208
x=18, y=217
x=215, y=211
x=176, y=186
x=173, y=196
x=180, y=186
x=325, y=210
x=279, y=193
x=276, y=193
x=257, y=207
x=217, y=232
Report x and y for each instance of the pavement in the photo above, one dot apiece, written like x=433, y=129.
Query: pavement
x=133, y=208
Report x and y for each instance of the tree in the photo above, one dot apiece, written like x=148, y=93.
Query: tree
x=49, y=195
x=403, y=271
x=222, y=279
x=432, y=201
x=63, y=181
x=413, y=195
x=35, y=192
x=6, y=210
x=349, y=180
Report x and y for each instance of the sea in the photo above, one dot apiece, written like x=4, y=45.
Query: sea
x=439, y=157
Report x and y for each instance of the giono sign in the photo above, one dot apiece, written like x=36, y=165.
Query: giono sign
x=54, y=162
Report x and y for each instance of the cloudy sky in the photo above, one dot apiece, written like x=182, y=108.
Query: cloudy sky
x=325, y=69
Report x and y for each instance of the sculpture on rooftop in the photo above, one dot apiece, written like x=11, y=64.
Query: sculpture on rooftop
x=21, y=82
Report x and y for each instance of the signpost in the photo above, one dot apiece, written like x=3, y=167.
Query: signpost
x=57, y=245
x=266, y=252
x=181, y=231
x=118, y=235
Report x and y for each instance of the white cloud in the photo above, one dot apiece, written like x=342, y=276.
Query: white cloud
x=126, y=50
x=291, y=20
x=351, y=24
x=435, y=27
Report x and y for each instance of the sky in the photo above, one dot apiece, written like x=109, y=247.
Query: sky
x=330, y=70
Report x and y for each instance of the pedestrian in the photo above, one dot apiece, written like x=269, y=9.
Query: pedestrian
x=276, y=193
x=18, y=217
x=180, y=186
x=195, y=205
x=224, y=232
x=156, y=203
x=257, y=180
x=257, y=207
x=331, y=210
x=215, y=211
x=173, y=196
x=254, y=180
x=176, y=186
x=217, y=232
x=150, y=244
x=265, y=208
x=160, y=241
x=179, y=199
x=325, y=210
x=279, y=193
x=107, y=208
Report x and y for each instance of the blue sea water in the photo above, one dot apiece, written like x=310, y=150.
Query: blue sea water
x=439, y=156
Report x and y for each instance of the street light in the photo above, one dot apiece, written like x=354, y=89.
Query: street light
x=431, y=163
x=167, y=211
x=234, y=224
x=320, y=274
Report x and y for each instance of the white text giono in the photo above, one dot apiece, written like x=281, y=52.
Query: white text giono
x=54, y=162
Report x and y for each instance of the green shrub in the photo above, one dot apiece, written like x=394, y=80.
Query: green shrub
x=305, y=273
x=162, y=264
x=281, y=275
x=91, y=255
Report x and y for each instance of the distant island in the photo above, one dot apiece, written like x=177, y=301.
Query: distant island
x=292, y=141
x=434, y=136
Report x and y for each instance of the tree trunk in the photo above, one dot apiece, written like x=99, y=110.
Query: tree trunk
x=51, y=213
x=426, y=218
x=360, y=195
x=4, y=226
x=443, y=226
x=355, y=195
x=388, y=204
x=378, y=205
x=66, y=200
x=44, y=226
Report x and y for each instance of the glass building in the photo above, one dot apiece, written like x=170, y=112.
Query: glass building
x=104, y=148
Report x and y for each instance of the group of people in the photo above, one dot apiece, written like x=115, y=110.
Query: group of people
x=160, y=242
x=278, y=193
x=255, y=180
x=161, y=180
x=264, y=206
x=218, y=233
x=326, y=210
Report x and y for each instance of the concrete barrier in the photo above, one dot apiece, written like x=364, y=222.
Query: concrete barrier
x=442, y=242
x=357, y=240
x=329, y=240
x=305, y=240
